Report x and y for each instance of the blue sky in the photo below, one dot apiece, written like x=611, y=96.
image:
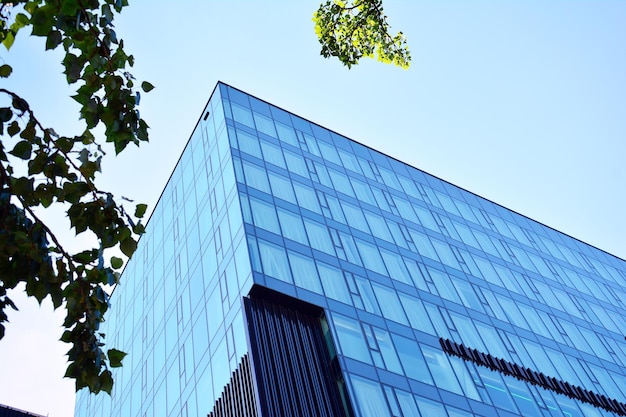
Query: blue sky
x=521, y=102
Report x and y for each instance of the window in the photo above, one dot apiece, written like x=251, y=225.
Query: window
x=274, y=261
x=351, y=340
x=291, y=224
x=334, y=283
x=304, y=272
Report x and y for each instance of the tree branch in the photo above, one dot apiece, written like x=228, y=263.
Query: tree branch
x=6, y=180
x=51, y=134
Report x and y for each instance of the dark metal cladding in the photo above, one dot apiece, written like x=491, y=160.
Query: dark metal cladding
x=6, y=411
x=533, y=377
x=238, y=397
x=448, y=346
x=464, y=351
x=483, y=359
x=294, y=371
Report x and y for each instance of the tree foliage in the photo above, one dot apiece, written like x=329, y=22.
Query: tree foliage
x=40, y=168
x=350, y=30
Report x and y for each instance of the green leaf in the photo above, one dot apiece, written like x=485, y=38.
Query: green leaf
x=139, y=229
x=29, y=132
x=75, y=190
x=140, y=210
x=146, y=86
x=13, y=128
x=86, y=256
x=22, y=149
x=67, y=336
x=36, y=165
x=105, y=382
x=115, y=357
x=65, y=144
x=5, y=70
x=42, y=20
x=8, y=40
x=21, y=20
x=72, y=67
x=20, y=104
x=116, y=263
x=128, y=246
x=37, y=289
x=69, y=7
x=5, y=114
x=22, y=186
x=53, y=39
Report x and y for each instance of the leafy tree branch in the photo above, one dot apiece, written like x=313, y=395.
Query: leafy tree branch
x=355, y=29
x=40, y=169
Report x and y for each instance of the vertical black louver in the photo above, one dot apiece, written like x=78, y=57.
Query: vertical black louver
x=292, y=364
x=237, y=399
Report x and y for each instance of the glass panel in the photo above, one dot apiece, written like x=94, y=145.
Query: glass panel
x=256, y=177
x=249, y=144
x=389, y=303
x=369, y=397
x=378, y=226
x=292, y=226
x=349, y=161
x=371, y=257
x=388, y=351
x=242, y=115
x=363, y=192
x=416, y=313
x=412, y=360
x=318, y=236
x=296, y=164
x=354, y=216
x=273, y=154
x=306, y=197
x=407, y=404
x=304, y=272
x=286, y=134
x=264, y=124
x=445, y=253
x=334, y=283
x=440, y=368
x=444, y=285
x=367, y=295
x=422, y=242
x=274, y=261
x=341, y=182
x=465, y=378
x=350, y=337
x=281, y=187
x=329, y=152
x=498, y=392
x=429, y=408
x=395, y=266
x=264, y=215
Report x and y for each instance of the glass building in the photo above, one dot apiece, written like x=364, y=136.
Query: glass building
x=289, y=271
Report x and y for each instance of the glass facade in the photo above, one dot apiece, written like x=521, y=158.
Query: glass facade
x=397, y=259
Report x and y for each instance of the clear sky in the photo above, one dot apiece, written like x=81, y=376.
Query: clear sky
x=521, y=102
